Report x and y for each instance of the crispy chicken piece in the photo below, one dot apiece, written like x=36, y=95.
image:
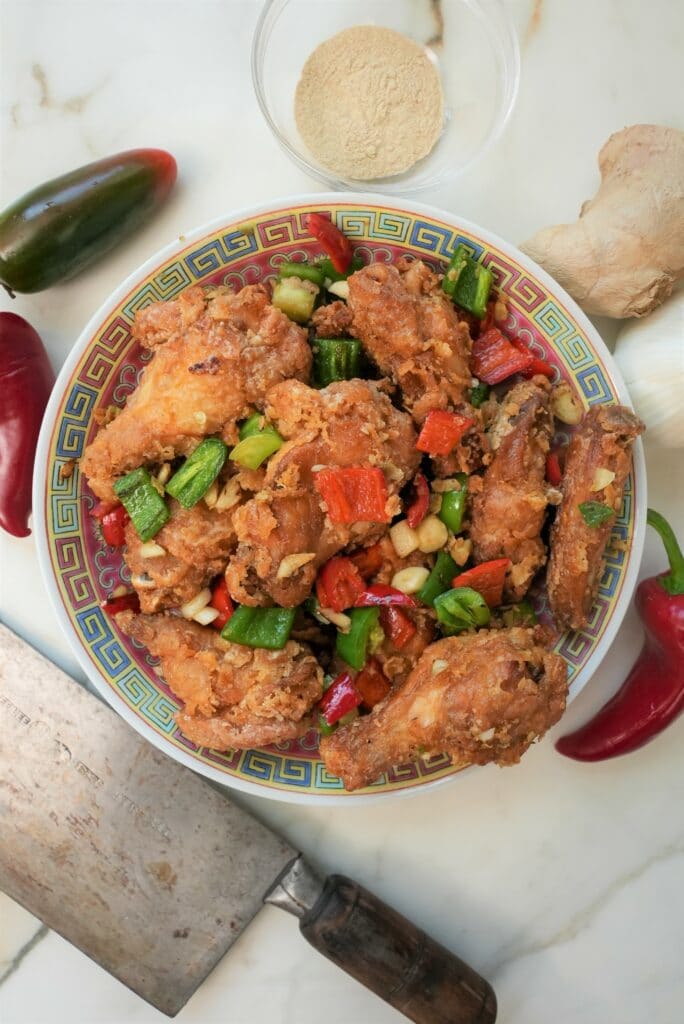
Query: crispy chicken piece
x=333, y=320
x=210, y=373
x=507, y=515
x=412, y=332
x=603, y=441
x=396, y=662
x=234, y=696
x=479, y=697
x=349, y=423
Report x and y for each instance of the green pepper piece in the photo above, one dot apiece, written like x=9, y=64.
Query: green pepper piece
x=335, y=359
x=304, y=271
x=521, y=614
x=479, y=394
x=353, y=646
x=258, y=440
x=461, y=608
x=467, y=282
x=259, y=627
x=254, y=424
x=439, y=579
x=329, y=272
x=295, y=297
x=192, y=481
x=324, y=728
x=594, y=513
x=143, y=502
x=452, y=509
x=53, y=232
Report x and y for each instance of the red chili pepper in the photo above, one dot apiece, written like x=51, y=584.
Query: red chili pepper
x=397, y=625
x=337, y=245
x=368, y=560
x=355, y=494
x=652, y=695
x=26, y=379
x=339, y=699
x=382, y=594
x=537, y=365
x=418, y=508
x=493, y=358
x=114, y=526
x=442, y=431
x=372, y=684
x=127, y=602
x=487, y=578
x=554, y=474
x=338, y=584
x=221, y=600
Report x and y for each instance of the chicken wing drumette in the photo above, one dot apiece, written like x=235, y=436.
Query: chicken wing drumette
x=233, y=696
x=215, y=355
x=480, y=697
x=596, y=467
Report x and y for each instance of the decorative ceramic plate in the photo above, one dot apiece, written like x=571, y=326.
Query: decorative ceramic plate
x=105, y=366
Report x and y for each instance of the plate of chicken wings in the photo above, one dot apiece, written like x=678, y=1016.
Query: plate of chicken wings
x=336, y=497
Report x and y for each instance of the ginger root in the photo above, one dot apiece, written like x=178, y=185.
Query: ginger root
x=625, y=254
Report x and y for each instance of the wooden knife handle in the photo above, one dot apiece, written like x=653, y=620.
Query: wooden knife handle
x=394, y=959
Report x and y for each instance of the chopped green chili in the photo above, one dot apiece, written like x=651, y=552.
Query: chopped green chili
x=143, y=502
x=324, y=728
x=325, y=265
x=295, y=298
x=259, y=627
x=353, y=646
x=335, y=359
x=452, y=509
x=192, y=481
x=258, y=440
x=467, y=282
x=594, y=513
x=479, y=394
x=461, y=608
x=304, y=271
x=521, y=614
x=439, y=579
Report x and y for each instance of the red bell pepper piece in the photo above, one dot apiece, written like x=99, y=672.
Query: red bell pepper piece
x=554, y=474
x=127, y=602
x=487, y=579
x=26, y=379
x=418, y=508
x=652, y=695
x=338, y=584
x=537, y=365
x=372, y=684
x=368, y=560
x=114, y=526
x=442, y=431
x=355, y=494
x=337, y=246
x=383, y=595
x=493, y=358
x=339, y=699
x=221, y=600
x=397, y=625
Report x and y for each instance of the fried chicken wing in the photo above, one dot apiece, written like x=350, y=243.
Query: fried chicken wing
x=603, y=442
x=210, y=372
x=234, y=696
x=507, y=515
x=333, y=320
x=480, y=697
x=284, y=532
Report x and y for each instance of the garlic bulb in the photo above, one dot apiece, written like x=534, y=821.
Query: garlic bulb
x=650, y=354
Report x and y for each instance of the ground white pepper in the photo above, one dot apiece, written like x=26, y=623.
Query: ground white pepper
x=369, y=103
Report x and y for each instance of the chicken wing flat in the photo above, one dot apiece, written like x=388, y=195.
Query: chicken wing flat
x=596, y=467
x=507, y=515
x=479, y=697
x=234, y=696
x=284, y=532
x=210, y=372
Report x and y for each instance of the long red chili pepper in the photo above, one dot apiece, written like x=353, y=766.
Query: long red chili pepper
x=26, y=379
x=652, y=696
x=418, y=509
x=337, y=245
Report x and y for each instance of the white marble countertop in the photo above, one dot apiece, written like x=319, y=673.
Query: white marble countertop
x=562, y=883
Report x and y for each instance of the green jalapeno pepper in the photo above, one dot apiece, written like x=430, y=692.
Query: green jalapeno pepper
x=142, y=501
x=192, y=481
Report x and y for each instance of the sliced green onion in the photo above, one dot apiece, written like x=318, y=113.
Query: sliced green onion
x=329, y=272
x=335, y=359
x=467, y=282
x=353, y=646
x=304, y=271
x=192, y=481
x=296, y=298
x=461, y=608
x=143, y=502
x=259, y=627
x=258, y=440
x=439, y=579
x=479, y=394
x=452, y=509
x=521, y=614
x=595, y=513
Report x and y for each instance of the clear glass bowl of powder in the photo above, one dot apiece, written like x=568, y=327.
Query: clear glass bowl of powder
x=470, y=45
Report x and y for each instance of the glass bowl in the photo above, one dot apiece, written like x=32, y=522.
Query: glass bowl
x=473, y=43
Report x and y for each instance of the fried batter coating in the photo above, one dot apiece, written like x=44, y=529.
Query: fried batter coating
x=333, y=320
x=603, y=441
x=210, y=373
x=234, y=696
x=508, y=514
x=349, y=423
x=479, y=697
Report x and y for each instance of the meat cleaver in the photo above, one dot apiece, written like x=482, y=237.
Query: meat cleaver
x=154, y=873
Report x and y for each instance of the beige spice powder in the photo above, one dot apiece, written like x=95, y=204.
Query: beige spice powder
x=369, y=103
